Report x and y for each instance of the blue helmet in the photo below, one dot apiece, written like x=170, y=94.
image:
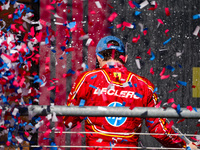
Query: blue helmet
x=102, y=45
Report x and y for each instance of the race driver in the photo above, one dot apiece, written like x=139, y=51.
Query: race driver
x=113, y=85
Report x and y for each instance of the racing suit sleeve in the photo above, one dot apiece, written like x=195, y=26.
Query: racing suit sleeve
x=76, y=95
x=160, y=125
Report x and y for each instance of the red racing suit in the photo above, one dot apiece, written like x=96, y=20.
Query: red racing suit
x=115, y=86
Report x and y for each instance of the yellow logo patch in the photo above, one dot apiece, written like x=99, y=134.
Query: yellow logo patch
x=117, y=74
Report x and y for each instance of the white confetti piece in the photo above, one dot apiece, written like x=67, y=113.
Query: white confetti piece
x=54, y=118
x=19, y=139
x=84, y=37
x=98, y=4
x=196, y=31
x=178, y=54
x=138, y=63
x=143, y=4
x=88, y=42
x=99, y=140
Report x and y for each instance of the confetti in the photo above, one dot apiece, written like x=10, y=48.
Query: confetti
x=82, y=103
x=135, y=39
x=152, y=56
x=170, y=68
x=166, y=31
x=158, y=105
x=160, y=21
x=167, y=11
x=144, y=4
x=138, y=95
x=189, y=108
x=98, y=4
x=164, y=76
x=112, y=16
x=131, y=4
x=171, y=100
x=151, y=71
x=182, y=83
x=155, y=6
x=138, y=63
x=136, y=4
x=197, y=16
x=167, y=41
x=196, y=31
x=137, y=13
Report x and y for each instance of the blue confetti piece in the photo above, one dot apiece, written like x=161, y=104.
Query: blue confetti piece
x=136, y=4
x=130, y=84
x=167, y=41
x=135, y=84
x=152, y=56
x=59, y=4
x=70, y=71
x=93, y=76
x=53, y=144
x=111, y=66
x=178, y=109
x=71, y=25
x=180, y=66
x=170, y=68
x=4, y=99
x=35, y=1
x=82, y=103
x=197, y=16
x=194, y=108
x=63, y=48
x=93, y=86
x=46, y=40
x=155, y=90
x=138, y=95
x=110, y=146
x=182, y=83
x=124, y=103
x=134, y=25
x=47, y=31
x=137, y=13
x=124, y=140
x=145, y=29
x=111, y=27
x=61, y=58
x=150, y=121
x=188, y=148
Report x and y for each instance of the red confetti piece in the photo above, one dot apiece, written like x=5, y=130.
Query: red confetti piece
x=173, y=90
x=46, y=134
x=193, y=86
x=118, y=25
x=80, y=134
x=131, y=4
x=180, y=121
x=51, y=88
x=166, y=32
x=145, y=32
x=69, y=49
x=26, y=133
x=93, y=12
x=167, y=11
x=171, y=100
x=158, y=105
x=160, y=21
x=193, y=138
x=127, y=24
x=112, y=16
x=110, y=6
x=174, y=106
x=154, y=8
x=8, y=143
x=151, y=71
x=49, y=7
x=189, y=108
x=149, y=51
x=135, y=39
x=164, y=76
x=163, y=71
